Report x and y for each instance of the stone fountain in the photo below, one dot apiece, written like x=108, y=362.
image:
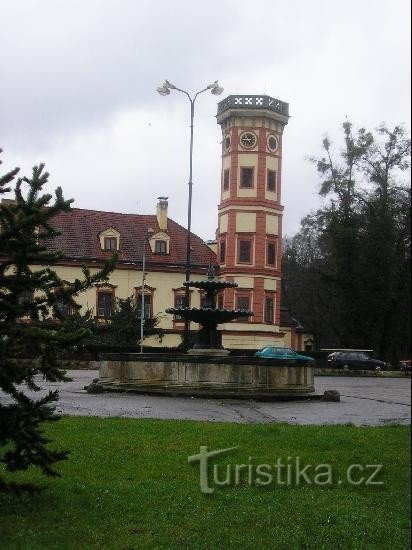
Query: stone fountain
x=208, y=340
x=207, y=370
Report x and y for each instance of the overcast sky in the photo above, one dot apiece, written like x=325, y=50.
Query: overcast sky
x=78, y=85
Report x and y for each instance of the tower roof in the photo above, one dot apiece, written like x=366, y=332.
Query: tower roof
x=248, y=105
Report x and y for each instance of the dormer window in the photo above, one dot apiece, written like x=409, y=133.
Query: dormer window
x=109, y=240
x=160, y=243
x=110, y=243
x=160, y=247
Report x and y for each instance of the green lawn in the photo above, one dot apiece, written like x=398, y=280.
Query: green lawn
x=128, y=484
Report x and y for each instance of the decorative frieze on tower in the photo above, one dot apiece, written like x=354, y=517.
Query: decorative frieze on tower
x=249, y=233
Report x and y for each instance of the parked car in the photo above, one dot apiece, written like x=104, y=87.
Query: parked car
x=405, y=365
x=355, y=360
x=283, y=354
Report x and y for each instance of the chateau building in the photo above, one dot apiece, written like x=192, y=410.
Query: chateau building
x=247, y=249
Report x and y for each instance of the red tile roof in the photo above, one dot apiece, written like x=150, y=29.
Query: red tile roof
x=80, y=229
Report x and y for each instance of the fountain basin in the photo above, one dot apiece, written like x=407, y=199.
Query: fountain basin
x=213, y=316
x=207, y=376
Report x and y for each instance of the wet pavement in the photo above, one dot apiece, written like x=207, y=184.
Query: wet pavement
x=365, y=401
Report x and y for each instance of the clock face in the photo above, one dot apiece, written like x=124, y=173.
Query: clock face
x=272, y=143
x=248, y=140
x=226, y=143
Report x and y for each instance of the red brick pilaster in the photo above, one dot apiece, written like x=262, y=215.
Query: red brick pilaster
x=260, y=240
x=258, y=300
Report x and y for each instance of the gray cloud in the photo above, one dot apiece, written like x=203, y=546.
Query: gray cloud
x=78, y=86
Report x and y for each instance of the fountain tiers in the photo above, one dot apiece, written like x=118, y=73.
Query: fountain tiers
x=208, y=339
x=201, y=372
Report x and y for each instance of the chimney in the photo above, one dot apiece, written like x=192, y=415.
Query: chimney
x=161, y=213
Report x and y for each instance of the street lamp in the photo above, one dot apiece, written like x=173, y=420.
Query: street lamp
x=164, y=90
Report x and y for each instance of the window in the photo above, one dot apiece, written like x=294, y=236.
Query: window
x=245, y=252
x=226, y=174
x=242, y=302
x=148, y=309
x=271, y=254
x=104, y=304
x=246, y=177
x=222, y=251
x=110, y=243
x=180, y=302
x=63, y=306
x=268, y=313
x=271, y=181
x=25, y=298
x=160, y=247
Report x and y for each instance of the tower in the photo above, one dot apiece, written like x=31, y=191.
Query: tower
x=249, y=233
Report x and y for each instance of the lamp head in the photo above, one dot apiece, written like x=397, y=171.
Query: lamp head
x=217, y=91
x=162, y=90
x=169, y=85
x=215, y=88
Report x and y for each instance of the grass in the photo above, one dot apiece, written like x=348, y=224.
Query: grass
x=128, y=484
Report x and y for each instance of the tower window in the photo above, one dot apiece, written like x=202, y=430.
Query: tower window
x=271, y=254
x=222, y=251
x=110, y=243
x=160, y=247
x=242, y=302
x=246, y=177
x=268, y=313
x=226, y=174
x=271, y=181
x=245, y=252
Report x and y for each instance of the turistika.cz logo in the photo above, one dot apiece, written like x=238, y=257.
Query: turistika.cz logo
x=288, y=472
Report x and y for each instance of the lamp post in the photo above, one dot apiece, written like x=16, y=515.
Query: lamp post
x=142, y=304
x=164, y=90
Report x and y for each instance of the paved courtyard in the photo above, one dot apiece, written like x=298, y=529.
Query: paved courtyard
x=364, y=401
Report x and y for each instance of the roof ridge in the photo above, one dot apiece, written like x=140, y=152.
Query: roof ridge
x=112, y=212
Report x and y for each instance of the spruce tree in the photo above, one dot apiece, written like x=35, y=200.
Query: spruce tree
x=31, y=294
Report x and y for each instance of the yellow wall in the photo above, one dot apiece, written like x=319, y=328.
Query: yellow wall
x=223, y=221
x=233, y=341
x=127, y=280
x=272, y=225
x=246, y=222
